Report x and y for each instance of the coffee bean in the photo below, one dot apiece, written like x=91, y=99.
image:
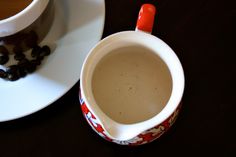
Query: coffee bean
x=13, y=73
x=3, y=55
x=23, y=62
x=12, y=76
x=12, y=68
x=21, y=72
x=4, y=59
x=36, y=62
x=36, y=51
x=45, y=51
x=3, y=74
x=3, y=50
x=24, y=66
x=19, y=56
x=30, y=68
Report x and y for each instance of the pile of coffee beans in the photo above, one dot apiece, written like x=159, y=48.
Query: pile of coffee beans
x=24, y=65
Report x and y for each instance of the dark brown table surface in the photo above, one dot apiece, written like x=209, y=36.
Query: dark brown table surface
x=202, y=33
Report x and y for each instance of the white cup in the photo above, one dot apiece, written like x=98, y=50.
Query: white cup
x=36, y=18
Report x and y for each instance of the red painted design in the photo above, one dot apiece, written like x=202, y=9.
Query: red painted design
x=145, y=137
x=92, y=121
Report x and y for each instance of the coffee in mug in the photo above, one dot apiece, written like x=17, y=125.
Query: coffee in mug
x=9, y=8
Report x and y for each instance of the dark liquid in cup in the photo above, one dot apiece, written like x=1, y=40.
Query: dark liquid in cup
x=9, y=8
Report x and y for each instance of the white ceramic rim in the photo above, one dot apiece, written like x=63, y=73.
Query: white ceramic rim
x=23, y=19
x=164, y=52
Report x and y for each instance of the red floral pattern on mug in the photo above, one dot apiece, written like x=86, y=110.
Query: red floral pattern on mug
x=145, y=137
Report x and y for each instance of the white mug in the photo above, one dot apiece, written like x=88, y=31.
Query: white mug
x=141, y=131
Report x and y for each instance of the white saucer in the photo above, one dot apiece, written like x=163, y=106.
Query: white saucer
x=77, y=27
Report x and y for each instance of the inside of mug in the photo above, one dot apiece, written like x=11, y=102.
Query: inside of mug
x=12, y=7
x=123, y=121
x=131, y=84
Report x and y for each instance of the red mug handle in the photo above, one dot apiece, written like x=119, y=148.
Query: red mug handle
x=146, y=18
